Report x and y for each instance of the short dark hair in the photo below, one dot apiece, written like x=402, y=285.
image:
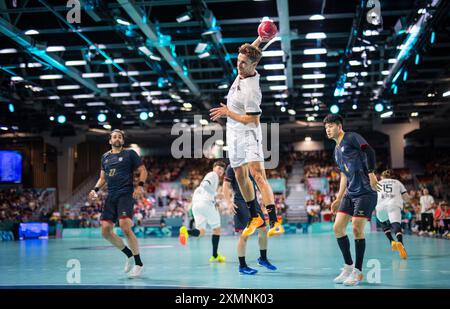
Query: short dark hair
x=387, y=174
x=333, y=118
x=117, y=131
x=219, y=163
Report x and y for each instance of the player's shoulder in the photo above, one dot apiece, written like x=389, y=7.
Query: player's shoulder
x=106, y=154
x=129, y=151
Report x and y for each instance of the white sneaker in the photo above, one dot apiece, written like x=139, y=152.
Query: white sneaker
x=421, y=233
x=128, y=264
x=136, y=271
x=346, y=272
x=355, y=278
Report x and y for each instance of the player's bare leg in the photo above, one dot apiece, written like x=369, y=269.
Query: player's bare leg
x=126, y=226
x=339, y=228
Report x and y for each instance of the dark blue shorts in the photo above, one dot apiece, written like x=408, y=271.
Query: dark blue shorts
x=360, y=206
x=242, y=216
x=118, y=207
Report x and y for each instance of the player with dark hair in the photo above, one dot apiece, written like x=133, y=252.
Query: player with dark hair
x=117, y=168
x=389, y=210
x=236, y=204
x=357, y=196
x=205, y=211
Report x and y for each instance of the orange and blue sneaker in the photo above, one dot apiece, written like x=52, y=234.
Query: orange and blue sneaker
x=276, y=229
x=245, y=270
x=252, y=225
x=218, y=259
x=266, y=264
x=393, y=245
x=183, y=235
x=401, y=251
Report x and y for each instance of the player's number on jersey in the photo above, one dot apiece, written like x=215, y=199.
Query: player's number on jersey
x=112, y=172
x=387, y=188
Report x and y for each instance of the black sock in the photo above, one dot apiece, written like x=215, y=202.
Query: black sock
x=389, y=235
x=263, y=254
x=242, y=261
x=127, y=252
x=215, y=244
x=344, y=245
x=360, y=247
x=271, y=210
x=252, y=208
x=194, y=232
x=137, y=260
x=397, y=228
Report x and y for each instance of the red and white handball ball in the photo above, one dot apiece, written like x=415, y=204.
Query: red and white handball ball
x=267, y=30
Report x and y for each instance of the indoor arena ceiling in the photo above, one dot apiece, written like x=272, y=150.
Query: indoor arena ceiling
x=175, y=59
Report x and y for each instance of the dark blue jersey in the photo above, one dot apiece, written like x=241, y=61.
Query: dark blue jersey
x=231, y=178
x=352, y=161
x=119, y=168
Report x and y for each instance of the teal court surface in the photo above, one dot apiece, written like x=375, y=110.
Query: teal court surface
x=304, y=261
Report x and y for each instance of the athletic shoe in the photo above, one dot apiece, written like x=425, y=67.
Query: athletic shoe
x=355, y=278
x=245, y=270
x=183, y=236
x=393, y=246
x=401, y=251
x=135, y=272
x=266, y=264
x=218, y=259
x=128, y=264
x=276, y=229
x=346, y=272
x=253, y=224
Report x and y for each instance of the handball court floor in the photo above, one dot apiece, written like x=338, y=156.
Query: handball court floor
x=304, y=261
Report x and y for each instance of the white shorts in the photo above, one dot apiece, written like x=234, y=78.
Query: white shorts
x=244, y=146
x=205, y=213
x=393, y=213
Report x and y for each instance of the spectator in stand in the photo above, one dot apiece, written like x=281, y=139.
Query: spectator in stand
x=441, y=219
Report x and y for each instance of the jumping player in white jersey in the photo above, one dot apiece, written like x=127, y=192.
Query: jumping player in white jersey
x=244, y=137
x=389, y=210
x=205, y=211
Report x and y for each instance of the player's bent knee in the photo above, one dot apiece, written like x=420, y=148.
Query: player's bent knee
x=338, y=229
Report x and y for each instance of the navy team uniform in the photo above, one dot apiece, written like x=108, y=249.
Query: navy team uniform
x=242, y=216
x=360, y=200
x=119, y=168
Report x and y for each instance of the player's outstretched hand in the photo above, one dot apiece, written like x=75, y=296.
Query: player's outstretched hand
x=218, y=112
x=232, y=207
x=374, y=183
x=93, y=195
x=138, y=192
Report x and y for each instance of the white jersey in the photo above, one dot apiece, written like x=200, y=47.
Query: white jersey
x=207, y=189
x=391, y=193
x=244, y=98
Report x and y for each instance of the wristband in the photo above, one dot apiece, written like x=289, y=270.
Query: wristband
x=96, y=189
x=141, y=183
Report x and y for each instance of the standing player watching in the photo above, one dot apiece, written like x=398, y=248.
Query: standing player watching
x=357, y=196
x=117, y=168
x=205, y=211
x=236, y=204
x=389, y=210
x=244, y=136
